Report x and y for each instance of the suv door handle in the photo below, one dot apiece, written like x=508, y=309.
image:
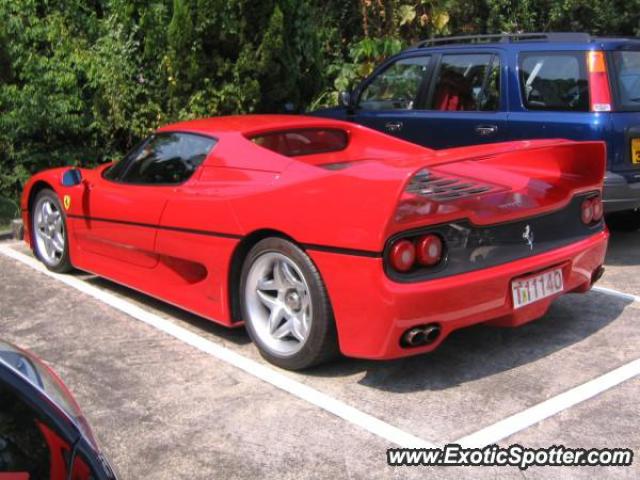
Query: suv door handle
x=486, y=130
x=393, y=126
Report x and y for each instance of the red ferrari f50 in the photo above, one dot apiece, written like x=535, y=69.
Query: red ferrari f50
x=321, y=235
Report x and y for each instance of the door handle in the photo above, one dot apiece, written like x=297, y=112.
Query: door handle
x=486, y=130
x=393, y=126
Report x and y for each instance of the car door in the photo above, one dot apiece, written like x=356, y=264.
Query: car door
x=387, y=100
x=460, y=101
x=122, y=205
x=466, y=103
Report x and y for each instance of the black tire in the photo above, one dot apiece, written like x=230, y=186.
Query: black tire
x=627, y=221
x=63, y=264
x=321, y=344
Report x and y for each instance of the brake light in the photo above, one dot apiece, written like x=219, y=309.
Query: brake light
x=402, y=255
x=599, y=90
x=598, y=209
x=429, y=250
x=592, y=210
x=420, y=251
x=586, y=211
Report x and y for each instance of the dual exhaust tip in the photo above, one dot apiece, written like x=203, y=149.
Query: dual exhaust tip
x=421, y=335
x=597, y=274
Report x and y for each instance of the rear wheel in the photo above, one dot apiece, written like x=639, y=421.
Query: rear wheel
x=627, y=221
x=48, y=224
x=285, y=306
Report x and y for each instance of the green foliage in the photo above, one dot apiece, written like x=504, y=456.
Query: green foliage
x=81, y=82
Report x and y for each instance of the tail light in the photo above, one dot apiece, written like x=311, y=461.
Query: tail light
x=403, y=255
x=423, y=251
x=591, y=210
x=599, y=90
x=429, y=250
x=598, y=209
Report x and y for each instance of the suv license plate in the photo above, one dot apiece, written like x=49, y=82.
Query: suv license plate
x=635, y=151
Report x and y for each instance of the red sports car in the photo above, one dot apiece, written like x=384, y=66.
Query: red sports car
x=323, y=236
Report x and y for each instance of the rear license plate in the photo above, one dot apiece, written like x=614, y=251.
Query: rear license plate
x=531, y=289
x=635, y=151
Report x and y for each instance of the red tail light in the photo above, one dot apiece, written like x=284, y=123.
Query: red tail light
x=586, y=211
x=402, y=255
x=599, y=90
x=429, y=250
x=591, y=210
x=598, y=209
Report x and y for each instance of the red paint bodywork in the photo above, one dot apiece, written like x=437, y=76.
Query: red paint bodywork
x=178, y=243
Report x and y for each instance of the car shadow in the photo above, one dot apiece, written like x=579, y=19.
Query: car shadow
x=237, y=336
x=466, y=355
x=623, y=249
x=480, y=351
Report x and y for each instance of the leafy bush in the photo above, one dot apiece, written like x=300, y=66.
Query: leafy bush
x=82, y=81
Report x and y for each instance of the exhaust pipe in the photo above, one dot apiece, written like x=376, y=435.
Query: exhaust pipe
x=597, y=274
x=421, y=335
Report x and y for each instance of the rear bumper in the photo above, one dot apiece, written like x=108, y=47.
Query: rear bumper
x=619, y=194
x=372, y=311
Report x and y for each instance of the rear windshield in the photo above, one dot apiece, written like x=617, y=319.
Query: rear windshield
x=293, y=143
x=626, y=73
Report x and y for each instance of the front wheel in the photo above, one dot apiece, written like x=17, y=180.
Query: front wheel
x=48, y=224
x=285, y=306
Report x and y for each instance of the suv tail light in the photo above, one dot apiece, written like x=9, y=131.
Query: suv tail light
x=599, y=90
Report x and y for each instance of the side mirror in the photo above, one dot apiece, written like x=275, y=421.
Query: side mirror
x=71, y=177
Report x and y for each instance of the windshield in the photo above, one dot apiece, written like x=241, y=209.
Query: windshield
x=626, y=72
x=43, y=377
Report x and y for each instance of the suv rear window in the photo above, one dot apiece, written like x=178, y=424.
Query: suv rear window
x=626, y=73
x=293, y=143
x=554, y=81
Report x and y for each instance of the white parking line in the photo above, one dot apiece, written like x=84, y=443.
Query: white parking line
x=522, y=420
x=515, y=423
x=486, y=436
x=336, y=407
x=616, y=293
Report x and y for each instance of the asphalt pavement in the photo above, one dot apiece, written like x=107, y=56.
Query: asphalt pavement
x=164, y=409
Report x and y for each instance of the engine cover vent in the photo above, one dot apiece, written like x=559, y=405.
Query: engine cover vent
x=441, y=188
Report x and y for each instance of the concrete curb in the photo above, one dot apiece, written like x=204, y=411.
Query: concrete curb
x=17, y=229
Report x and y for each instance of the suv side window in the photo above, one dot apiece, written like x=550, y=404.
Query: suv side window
x=397, y=87
x=467, y=82
x=554, y=81
x=163, y=159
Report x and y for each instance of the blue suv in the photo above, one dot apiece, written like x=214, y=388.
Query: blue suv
x=468, y=90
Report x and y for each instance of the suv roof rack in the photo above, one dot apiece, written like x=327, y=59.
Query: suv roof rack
x=508, y=38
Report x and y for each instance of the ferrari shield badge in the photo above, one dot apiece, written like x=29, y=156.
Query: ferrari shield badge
x=66, y=201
